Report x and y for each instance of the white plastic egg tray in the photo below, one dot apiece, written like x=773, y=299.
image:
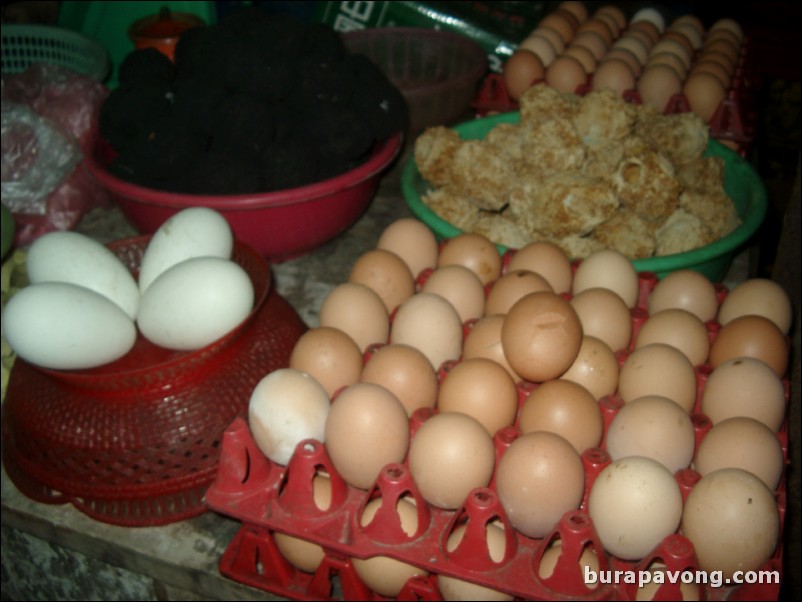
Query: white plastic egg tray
x=268, y=498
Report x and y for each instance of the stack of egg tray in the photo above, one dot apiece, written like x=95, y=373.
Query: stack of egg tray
x=268, y=498
x=733, y=123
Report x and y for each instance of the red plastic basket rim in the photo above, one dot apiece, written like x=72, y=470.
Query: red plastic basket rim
x=419, y=32
x=382, y=155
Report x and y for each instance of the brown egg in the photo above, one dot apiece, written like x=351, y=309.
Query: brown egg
x=688, y=290
x=694, y=35
x=302, y=554
x=358, y=311
x=474, y=251
x=729, y=25
x=722, y=34
x=680, y=329
x=430, y=324
x=761, y=297
x=670, y=59
x=635, y=46
x=406, y=372
x=593, y=42
x=450, y=455
x=732, y=520
x=387, y=274
x=689, y=20
x=330, y=356
x=615, y=15
x=622, y=54
x=719, y=58
x=480, y=388
x=452, y=588
x=704, y=93
x=541, y=47
x=513, y=285
x=589, y=560
x=459, y=286
x=539, y=478
x=595, y=368
x=412, y=241
x=657, y=84
x=604, y=315
x=751, y=336
x=745, y=443
x=583, y=55
x=634, y=503
x=366, y=429
x=658, y=369
x=652, y=15
x=657, y=576
x=648, y=28
x=611, y=270
x=674, y=47
x=546, y=259
x=561, y=21
x=722, y=46
x=681, y=38
x=553, y=36
x=384, y=575
x=565, y=408
x=744, y=386
x=653, y=427
x=597, y=26
x=713, y=68
x=614, y=74
x=616, y=12
x=541, y=336
x=484, y=340
x=576, y=8
x=521, y=70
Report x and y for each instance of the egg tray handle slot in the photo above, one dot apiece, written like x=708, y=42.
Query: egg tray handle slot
x=256, y=502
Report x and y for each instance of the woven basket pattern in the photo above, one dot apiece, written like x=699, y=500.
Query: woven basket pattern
x=139, y=445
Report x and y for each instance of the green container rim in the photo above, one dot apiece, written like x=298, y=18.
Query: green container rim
x=741, y=183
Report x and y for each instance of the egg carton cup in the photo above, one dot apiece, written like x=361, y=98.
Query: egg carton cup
x=733, y=122
x=268, y=498
x=136, y=442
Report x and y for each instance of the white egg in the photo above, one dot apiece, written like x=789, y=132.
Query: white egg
x=193, y=232
x=66, y=327
x=77, y=259
x=195, y=302
x=286, y=407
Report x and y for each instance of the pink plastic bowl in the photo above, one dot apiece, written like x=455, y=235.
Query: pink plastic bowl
x=281, y=224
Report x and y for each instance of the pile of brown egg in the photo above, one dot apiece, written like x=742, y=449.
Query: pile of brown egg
x=642, y=56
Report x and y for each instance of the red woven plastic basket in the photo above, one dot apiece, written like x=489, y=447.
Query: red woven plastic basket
x=137, y=442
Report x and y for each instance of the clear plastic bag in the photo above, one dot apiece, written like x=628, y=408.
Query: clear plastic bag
x=49, y=116
x=36, y=158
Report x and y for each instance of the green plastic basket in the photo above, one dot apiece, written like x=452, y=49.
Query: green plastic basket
x=24, y=45
x=741, y=183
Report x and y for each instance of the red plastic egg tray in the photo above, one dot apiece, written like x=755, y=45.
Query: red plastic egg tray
x=268, y=498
